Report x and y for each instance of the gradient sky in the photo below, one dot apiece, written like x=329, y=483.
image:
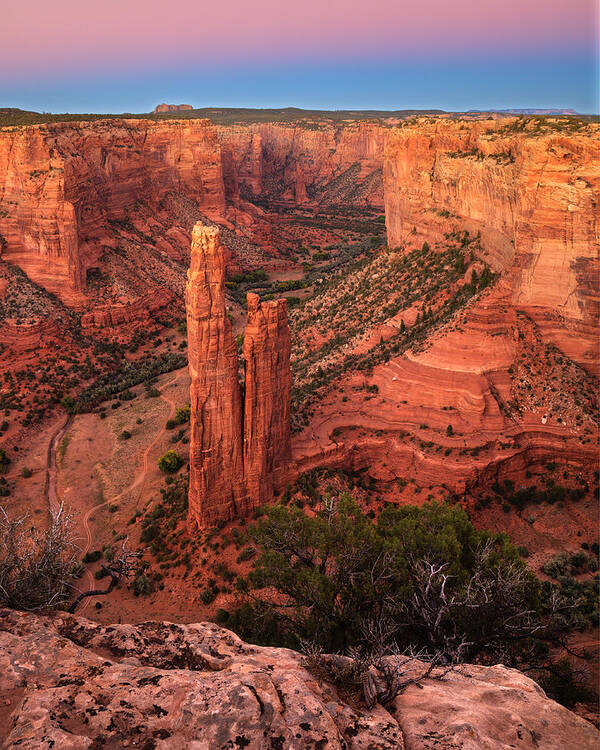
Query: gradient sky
x=129, y=55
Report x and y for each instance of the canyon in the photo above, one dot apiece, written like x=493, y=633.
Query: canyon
x=66, y=189
x=100, y=216
x=403, y=309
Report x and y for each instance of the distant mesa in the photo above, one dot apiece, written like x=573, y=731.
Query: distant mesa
x=527, y=111
x=172, y=108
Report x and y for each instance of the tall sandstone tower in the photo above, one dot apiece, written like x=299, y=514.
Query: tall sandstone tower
x=267, y=442
x=240, y=446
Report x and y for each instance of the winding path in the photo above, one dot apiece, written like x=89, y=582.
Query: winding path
x=52, y=479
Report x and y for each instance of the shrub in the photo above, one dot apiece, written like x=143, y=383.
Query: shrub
x=26, y=472
x=182, y=415
x=36, y=567
x=208, y=595
x=338, y=573
x=92, y=557
x=246, y=554
x=141, y=585
x=4, y=461
x=170, y=424
x=170, y=462
x=68, y=402
x=125, y=435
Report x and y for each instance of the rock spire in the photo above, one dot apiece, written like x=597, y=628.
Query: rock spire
x=240, y=445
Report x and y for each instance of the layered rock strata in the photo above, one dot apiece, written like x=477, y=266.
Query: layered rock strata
x=239, y=452
x=65, y=187
x=67, y=682
x=298, y=164
x=534, y=196
x=141, y=309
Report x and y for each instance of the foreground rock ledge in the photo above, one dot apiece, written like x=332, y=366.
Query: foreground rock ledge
x=67, y=682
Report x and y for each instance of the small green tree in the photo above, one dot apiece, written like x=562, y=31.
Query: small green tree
x=4, y=461
x=182, y=414
x=170, y=462
x=424, y=574
x=68, y=403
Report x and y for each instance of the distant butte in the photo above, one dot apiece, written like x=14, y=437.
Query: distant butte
x=171, y=107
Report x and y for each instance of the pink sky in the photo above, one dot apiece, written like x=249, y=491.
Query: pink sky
x=43, y=36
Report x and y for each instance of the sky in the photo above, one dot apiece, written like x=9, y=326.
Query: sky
x=129, y=55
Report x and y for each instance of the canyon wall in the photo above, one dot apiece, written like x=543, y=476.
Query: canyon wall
x=141, y=309
x=534, y=196
x=62, y=185
x=302, y=164
x=66, y=187
x=239, y=446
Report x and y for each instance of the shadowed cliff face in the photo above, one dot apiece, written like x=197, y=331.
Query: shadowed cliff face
x=69, y=682
x=534, y=197
x=235, y=462
x=328, y=165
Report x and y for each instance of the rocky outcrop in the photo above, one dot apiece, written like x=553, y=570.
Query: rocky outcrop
x=68, y=682
x=239, y=452
x=267, y=445
x=141, y=309
x=534, y=197
x=216, y=467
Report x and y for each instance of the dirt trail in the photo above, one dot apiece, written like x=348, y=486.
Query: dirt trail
x=51, y=464
x=52, y=477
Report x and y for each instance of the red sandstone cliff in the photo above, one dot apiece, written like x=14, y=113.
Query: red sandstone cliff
x=297, y=164
x=111, y=316
x=216, y=467
x=267, y=446
x=534, y=197
x=235, y=463
x=62, y=185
